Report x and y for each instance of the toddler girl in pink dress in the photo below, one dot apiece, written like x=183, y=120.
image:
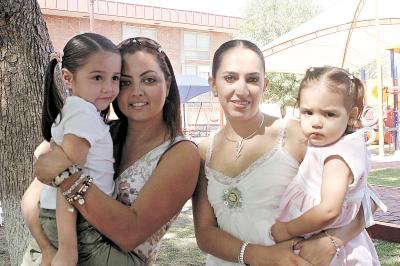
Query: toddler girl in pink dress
x=331, y=184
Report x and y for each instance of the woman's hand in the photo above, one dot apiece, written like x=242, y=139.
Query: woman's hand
x=318, y=250
x=277, y=255
x=50, y=164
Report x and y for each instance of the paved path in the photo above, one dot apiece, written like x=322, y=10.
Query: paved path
x=389, y=195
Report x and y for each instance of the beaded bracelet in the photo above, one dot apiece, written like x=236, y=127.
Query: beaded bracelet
x=241, y=253
x=337, y=248
x=65, y=174
x=80, y=193
x=74, y=186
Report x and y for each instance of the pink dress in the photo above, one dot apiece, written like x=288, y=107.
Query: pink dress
x=305, y=190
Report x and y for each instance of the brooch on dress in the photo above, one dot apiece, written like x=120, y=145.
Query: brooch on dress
x=232, y=198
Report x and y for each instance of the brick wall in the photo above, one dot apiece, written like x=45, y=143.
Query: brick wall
x=170, y=40
x=61, y=29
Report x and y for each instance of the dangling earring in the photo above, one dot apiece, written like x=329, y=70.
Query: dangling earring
x=215, y=94
x=68, y=91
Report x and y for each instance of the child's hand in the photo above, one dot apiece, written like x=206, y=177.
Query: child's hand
x=280, y=232
x=65, y=258
x=48, y=254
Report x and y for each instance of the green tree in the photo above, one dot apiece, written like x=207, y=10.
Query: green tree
x=266, y=20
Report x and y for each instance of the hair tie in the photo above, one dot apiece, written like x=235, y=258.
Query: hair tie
x=56, y=55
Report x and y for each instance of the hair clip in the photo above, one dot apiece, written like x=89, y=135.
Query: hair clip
x=351, y=77
x=311, y=69
x=160, y=50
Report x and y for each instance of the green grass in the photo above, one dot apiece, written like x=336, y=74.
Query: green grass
x=388, y=252
x=385, y=177
x=179, y=244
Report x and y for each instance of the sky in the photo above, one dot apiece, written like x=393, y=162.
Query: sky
x=220, y=7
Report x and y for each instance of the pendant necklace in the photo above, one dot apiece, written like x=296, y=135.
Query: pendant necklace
x=240, y=143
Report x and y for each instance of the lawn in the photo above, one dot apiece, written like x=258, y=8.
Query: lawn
x=389, y=253
x=385, y=177
x=179, y=244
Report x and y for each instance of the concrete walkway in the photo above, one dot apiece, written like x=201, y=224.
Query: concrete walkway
x=389, y=195
x=387, y=225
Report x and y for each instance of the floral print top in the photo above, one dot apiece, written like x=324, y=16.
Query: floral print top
x=128, y=185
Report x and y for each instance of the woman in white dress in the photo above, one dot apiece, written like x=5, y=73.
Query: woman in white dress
x=247, y=166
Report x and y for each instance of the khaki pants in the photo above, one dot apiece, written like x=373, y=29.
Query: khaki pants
x=93, y=247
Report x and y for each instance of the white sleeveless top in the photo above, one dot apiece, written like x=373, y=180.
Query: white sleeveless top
x=246, y=205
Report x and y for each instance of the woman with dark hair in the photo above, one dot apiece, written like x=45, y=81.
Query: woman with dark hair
x=247, y=166
x=156, y=167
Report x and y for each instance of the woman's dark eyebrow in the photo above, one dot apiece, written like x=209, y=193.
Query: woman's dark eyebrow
x=229, y=72
x=233, y=73
x=146, y=72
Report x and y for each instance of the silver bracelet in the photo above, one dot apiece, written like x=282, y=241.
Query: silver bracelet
x=74, y=186
x=337, y=248
x=241, y=253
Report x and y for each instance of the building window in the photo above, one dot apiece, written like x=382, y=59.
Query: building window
x=131, y=32
x=196, y=46
x=201, y=71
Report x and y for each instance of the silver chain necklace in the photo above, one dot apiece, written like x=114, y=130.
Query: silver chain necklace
x=240, y=143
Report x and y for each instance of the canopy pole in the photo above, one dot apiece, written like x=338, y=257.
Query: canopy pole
x=393, y=72
x=184, y=116
x=352, y=25
x=379, y=81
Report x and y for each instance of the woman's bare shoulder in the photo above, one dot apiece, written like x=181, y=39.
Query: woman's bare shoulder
x=273, y=124
x=293, y=129
x=180, y=160
x=203, y=146
x=295, y=140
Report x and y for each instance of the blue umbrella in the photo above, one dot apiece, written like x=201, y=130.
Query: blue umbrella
x=191, y=86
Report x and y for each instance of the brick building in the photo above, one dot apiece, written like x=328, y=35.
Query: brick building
x=189, y=38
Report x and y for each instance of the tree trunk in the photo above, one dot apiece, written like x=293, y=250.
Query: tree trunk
x=24, y=52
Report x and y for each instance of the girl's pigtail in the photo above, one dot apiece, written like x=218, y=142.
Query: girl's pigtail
x=358, y=96
x=52, y=100
x=360, y=100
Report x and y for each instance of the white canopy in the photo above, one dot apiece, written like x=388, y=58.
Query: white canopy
x=322, y=40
